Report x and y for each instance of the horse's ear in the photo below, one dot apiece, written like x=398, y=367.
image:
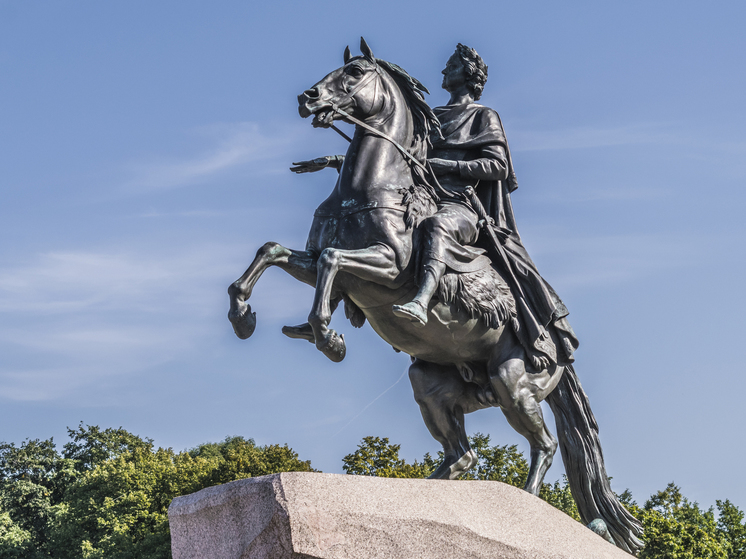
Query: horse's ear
x=348, y=56
x=365, y=49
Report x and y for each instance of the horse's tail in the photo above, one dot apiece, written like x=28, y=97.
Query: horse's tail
x=577, y=431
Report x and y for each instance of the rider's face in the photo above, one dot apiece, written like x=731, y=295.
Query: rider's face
x=454, y=75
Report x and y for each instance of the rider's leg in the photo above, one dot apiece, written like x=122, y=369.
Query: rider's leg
x=444, y=397
x=299, y=264
x=375, y=264
x=517, y=394
x=445, y=234
x=416, y=309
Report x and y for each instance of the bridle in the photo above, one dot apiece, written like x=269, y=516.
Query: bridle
x=336, y=101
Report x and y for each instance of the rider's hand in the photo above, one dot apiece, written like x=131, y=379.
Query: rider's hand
x=443, y=166
x=311, y=166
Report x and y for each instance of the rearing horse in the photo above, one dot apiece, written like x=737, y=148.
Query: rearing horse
x=361, y=249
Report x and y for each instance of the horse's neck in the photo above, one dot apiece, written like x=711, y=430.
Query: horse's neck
x=374, y=162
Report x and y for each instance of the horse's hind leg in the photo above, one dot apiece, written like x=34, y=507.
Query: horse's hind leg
x=519, y=398
x=444, y=397
x=299, y=264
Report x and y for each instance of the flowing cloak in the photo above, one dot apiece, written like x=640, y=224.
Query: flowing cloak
x=476, y=132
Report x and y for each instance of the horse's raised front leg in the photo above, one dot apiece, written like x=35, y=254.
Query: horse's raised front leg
x=299, y=264
x=376, y=264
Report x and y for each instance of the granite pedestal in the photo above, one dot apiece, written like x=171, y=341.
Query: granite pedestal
x=303, y=515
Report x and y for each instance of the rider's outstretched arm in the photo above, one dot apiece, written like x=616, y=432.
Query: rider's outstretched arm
x=313, y=165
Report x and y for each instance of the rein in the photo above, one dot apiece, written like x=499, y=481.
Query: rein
x=349, y=95
x=378, y=133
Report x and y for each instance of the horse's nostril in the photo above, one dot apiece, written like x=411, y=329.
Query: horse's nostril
x=312, y=93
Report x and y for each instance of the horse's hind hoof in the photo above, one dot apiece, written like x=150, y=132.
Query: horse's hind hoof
x=334, y=348
x=243, y=321
x=451, y=468
x=300, y=332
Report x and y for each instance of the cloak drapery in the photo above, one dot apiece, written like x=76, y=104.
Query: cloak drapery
x=477, y=132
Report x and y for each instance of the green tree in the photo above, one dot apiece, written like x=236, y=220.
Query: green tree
x=676, y=528
x=108, y=494
x=119, y=508
x=732, y=529
x=91, y=446
x=15, y=542
x=33, y=477
x=376, y=456
x=237, y=458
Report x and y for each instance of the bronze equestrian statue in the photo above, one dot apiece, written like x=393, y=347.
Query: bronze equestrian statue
x=419, y=239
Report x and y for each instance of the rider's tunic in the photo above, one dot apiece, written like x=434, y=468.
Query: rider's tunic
x=473, y=136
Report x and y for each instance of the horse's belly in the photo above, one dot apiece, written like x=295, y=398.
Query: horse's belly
x=450, y=336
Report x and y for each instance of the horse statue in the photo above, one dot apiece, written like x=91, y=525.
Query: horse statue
x=362, y=250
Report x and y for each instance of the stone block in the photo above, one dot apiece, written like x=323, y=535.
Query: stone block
x=302, y=515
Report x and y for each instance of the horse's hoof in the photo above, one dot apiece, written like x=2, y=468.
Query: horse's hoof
x=334, y=347
x=243, y=321
x=300, y=332
x=451, y=468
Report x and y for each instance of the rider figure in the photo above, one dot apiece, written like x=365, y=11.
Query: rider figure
x=474, y=152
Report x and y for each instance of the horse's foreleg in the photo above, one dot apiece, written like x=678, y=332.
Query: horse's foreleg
x=444, y=397
x=376, y=264
x=299, y=264
x=519, y=399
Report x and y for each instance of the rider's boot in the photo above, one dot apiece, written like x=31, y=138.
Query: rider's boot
x=416, y=310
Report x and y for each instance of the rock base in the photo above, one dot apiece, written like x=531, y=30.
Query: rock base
x=302, y=515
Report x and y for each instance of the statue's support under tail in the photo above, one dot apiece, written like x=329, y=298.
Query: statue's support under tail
x=299, y=264
x=584, y=463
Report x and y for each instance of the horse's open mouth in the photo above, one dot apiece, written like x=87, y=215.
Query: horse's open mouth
x=323, y=118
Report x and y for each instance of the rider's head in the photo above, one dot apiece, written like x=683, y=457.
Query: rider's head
x=474, y=68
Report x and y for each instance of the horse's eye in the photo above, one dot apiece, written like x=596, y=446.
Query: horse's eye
x=354, y=71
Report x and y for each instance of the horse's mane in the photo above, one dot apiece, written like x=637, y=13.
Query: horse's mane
x=425, y=121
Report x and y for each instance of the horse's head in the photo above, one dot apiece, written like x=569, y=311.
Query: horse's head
x=355, y=88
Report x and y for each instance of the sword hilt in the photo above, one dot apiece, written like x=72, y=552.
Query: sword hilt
x=476, y=204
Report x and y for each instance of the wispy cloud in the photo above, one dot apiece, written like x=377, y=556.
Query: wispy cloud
x=592, y=137
x=71, y=319
x=75, y=281
x=228, y=147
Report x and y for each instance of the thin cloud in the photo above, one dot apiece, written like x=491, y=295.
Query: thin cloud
x=78, y=280
x=71, y=319
x=230, y=147
x=591, y=137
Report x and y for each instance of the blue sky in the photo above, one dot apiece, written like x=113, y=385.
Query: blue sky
x=143, y=159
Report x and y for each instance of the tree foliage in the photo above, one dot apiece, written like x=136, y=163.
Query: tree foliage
x=677, y=528
x=107, y=495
